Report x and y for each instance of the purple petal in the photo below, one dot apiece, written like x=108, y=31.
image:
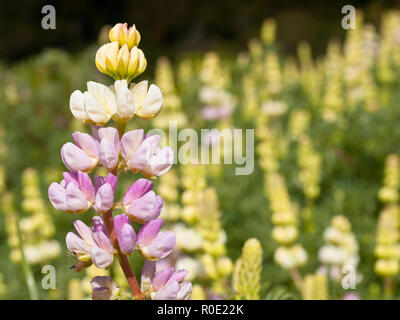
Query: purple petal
x=137, y=190
x=162, y=278
x=86, y=185
x=125, y=234
x=98, y=225
x=71, y=177
x=146, y=208
x=102, y=241
x=148, y=271
x=160, y=247
x=111, y=180
x=149, y=232
x=178, y=276
x=98, y=182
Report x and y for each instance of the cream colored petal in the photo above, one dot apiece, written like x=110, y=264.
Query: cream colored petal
x=95, y=110
x=152, y=104
x=139, y=93
x=103, y=95
x=77, y=105
x=125, y=103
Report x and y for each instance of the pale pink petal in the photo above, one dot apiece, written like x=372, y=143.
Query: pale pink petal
x=169, y=292
x=149, y=232
x=130, y=141
x=84, y=231
x=101, y=258
x=75, y=199
x=75, y=159
x=87, y=143
x=57, y=196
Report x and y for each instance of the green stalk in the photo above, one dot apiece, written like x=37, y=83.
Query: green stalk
x=29, y=278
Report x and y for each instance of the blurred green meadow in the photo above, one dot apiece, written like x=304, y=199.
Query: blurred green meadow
x=342, y=106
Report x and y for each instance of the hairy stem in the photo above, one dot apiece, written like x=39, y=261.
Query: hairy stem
x=122, y=259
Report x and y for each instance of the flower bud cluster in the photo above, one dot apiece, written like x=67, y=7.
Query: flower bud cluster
x=121, y=58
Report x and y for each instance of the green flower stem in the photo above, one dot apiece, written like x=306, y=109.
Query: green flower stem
x=29, y=278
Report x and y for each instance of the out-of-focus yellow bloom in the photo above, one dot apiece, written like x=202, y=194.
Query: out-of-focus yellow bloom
x=75, y=291
x=198, y=293
x=224, y=266
x=285, y=234
x=268, y=31
x=315, y=287
x=387, y=267
x=246, y=276
x=125, y=35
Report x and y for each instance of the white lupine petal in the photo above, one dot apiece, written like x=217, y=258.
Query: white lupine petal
x=77, y=105
x=95, y=110
x=103, y=95
x=152, y=103
x=139, y=92
x=125, y=102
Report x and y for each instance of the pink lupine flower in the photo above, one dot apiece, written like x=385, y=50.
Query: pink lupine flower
x=143, y=154
x=74, y=194
x=217, y=112
x=125, y=234
x=351, y=296
x=152, y=243
x=161, y=282
x=91, y=246
x=108, y=140
x=141, y=203
x=83, y=156
x=105, y=188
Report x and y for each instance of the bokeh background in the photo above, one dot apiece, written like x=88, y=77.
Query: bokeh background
x=348, y=95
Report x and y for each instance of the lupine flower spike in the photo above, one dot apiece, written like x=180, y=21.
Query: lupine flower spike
x=114, y=151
